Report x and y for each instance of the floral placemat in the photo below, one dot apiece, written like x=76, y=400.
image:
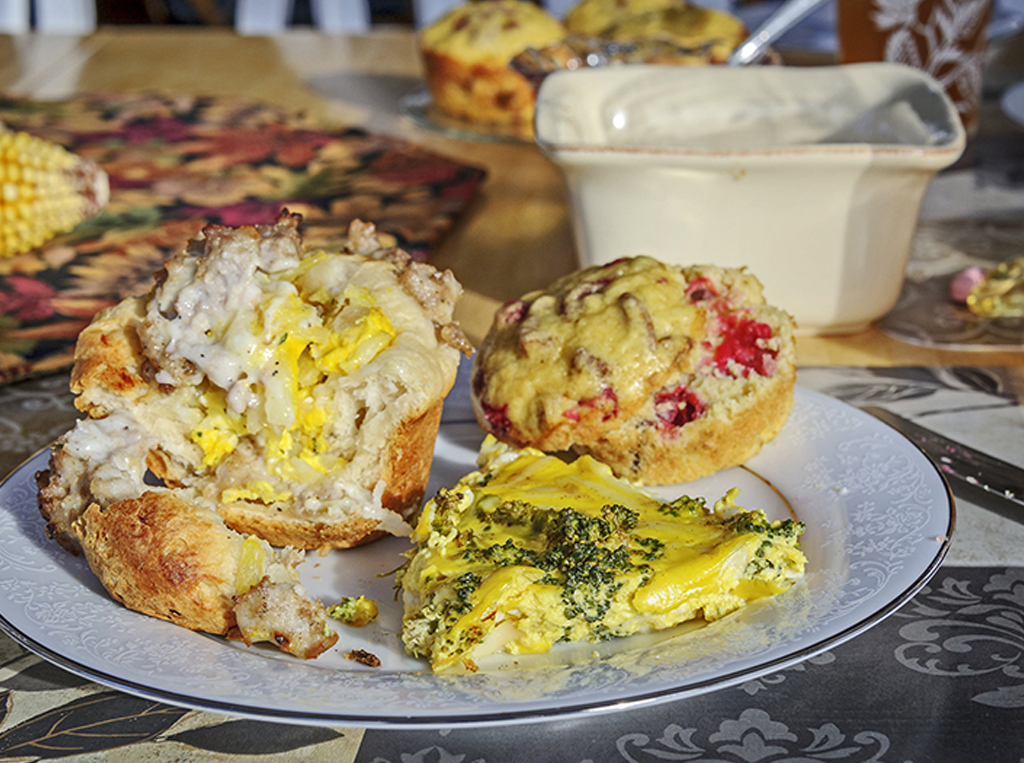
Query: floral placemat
x=178, y=162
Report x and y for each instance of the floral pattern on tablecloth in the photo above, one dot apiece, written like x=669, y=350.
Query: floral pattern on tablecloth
x=178, y=162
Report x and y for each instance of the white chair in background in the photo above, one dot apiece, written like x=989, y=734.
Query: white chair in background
x=52, y=16
x=341, y=15
x=253, y=17
x=65, y=16
x=426, y=12
x=14, y=16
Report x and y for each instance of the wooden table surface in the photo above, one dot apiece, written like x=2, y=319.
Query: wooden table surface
x=515, y=236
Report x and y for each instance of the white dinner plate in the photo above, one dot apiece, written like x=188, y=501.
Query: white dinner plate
x=878, y=514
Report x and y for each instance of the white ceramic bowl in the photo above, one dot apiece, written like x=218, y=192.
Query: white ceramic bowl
x=812, y=178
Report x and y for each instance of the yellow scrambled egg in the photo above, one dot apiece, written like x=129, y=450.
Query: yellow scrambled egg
x=531, y=551
x=290, y=344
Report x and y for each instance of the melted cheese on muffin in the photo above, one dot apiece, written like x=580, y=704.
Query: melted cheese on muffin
x=589, y=349
x=541, y=552
x=296, y=393
x=284, y=367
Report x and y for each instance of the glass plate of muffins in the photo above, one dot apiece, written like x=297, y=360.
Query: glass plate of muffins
x=419, y=107
x=483, y=61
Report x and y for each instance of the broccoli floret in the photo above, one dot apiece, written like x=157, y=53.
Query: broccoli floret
x=446, y=510
x=649, y=548
x=463, y=587
x=579, y=553
x=571, y=526
x=517, y=513
x=589, y=578
x=756, y=522
x=583, y=554
x=683, y=505
x=505, y=555
x=773, y=533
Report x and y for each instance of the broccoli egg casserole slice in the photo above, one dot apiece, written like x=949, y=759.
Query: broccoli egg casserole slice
x=531, y=551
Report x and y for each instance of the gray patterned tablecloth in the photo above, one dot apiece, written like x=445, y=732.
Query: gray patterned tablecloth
x=942, y=679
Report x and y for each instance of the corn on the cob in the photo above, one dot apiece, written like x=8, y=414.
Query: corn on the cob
x=44, y=190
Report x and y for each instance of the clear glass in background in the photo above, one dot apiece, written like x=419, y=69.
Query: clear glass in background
x=945, y=38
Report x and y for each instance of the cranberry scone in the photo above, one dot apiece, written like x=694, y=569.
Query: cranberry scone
x=665, y=373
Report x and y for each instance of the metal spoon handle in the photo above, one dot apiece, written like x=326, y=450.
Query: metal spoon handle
x=787, y=16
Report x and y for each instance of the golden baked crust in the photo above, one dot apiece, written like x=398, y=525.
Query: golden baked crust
x=480, y=94
x=664, y=373
x=593, y=17
x=406, y=471
x=166, y=557
x=703, y=446
x=466, y=55
x=714, y=32
x=107, y=356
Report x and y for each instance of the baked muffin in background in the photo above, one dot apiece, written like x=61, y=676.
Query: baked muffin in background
x=715, y=33
x=664, y=373
x=593, y=17
x=466, y=55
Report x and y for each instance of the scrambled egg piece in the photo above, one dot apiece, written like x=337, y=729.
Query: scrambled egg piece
x=531, y=551
x=300, y=336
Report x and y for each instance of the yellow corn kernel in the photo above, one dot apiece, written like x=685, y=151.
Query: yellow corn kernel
x=44, y=190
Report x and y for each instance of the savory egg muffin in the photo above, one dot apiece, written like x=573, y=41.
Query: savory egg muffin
x=258, y=389
x=531, y=551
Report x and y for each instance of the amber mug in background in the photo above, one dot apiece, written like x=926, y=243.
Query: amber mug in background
x=945, y=38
